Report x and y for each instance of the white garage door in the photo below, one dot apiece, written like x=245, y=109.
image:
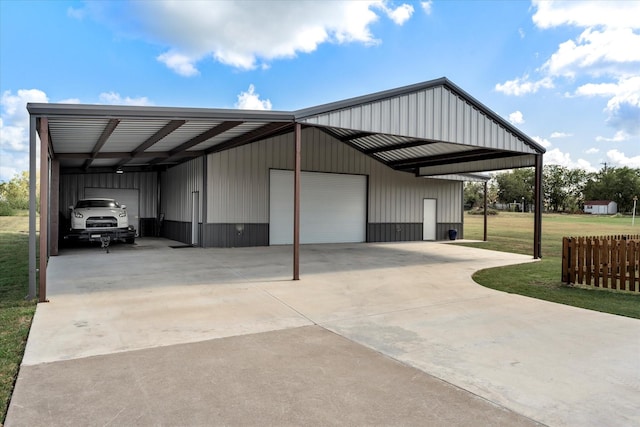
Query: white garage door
x=127, y=197
x=333, y=208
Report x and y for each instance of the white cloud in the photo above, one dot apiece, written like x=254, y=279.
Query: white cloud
x=620, y=159
x=521, y=33
x=605, y=52
x=246, y=35
x=596, y=52
x=14, y=130
x=542, y=141
x=592, y=150
x=179, y=63
x=557, y=157
x=516, y=118
x=560, y=135
x=522, y=86
x=620, y=136
x=427, y=6
x=400, y=14
x=612, y=14
x=250, y=100
x=113, y=98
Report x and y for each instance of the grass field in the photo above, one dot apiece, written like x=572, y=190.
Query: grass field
x=15, y=312
x=513, y=232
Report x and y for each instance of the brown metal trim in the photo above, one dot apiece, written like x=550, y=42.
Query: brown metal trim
x=44, y=208
x=106, y=133
x=160, y=134
x=215, y=131
x=443, y=159
x=347, y=138
x=485, y=212
x=266, y=131
x=296, y=202
x=400, y=146
x=537, y=216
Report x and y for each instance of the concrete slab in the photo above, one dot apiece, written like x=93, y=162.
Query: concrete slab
x=303, y=376
x=413, y=302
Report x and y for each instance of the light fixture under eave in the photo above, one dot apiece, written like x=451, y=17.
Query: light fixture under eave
x=119, y=171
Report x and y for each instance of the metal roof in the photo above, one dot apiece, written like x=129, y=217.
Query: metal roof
x=432, y=128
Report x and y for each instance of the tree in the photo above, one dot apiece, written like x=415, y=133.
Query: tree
x=516, y=184
x=563, y=187
x=15, y=193
x=473, y=194
x=617, y=184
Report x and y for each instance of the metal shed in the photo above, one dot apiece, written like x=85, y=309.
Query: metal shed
x=429, y=131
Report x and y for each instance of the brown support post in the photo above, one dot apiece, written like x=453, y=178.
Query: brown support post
x=485, y=211
x=537, y=203
x=296, y=203
x=55, y=207
x=44, y=207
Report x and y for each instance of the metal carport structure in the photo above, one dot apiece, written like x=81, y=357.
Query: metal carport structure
x=429, y=129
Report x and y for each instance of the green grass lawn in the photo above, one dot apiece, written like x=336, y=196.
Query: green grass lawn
x=15, y=312
x=513, y=232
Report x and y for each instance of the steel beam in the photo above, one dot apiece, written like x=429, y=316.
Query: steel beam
x=537, y=218
x=44, y=207
x=296, y=203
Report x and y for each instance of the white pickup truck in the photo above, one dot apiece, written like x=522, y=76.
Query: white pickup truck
x=100, y=219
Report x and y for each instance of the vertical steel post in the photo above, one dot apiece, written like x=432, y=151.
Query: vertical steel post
x=537, y=218
x=296, y=203
x=485, y=211
x=32, y=207
x=44, y=207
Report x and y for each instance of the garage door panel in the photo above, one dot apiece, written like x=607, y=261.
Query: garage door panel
x=332, y=208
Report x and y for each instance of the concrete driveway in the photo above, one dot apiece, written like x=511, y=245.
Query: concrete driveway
x=372, y=334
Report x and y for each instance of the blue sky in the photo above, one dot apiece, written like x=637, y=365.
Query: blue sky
x=566, y=73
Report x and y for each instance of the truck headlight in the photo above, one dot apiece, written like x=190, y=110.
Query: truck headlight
x=77, y=214
x=122, y=214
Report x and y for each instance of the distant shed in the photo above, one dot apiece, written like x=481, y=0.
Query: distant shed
x=600, y=207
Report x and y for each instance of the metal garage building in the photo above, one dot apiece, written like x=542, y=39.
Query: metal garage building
x=388, y=166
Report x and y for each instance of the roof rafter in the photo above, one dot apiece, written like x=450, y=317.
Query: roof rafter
x=266, y=131
x=399, y=146
x=160, y=134
x=459, y=157
x=106, y=133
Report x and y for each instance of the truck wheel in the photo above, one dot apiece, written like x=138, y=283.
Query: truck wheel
x=130, y=240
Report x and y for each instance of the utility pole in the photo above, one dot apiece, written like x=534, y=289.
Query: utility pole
x=633, y=217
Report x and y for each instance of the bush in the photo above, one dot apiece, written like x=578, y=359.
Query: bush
x=6, y=209
x=480, y=211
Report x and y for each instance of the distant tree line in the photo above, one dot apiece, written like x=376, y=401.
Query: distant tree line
x=14, y=194
x=564, y=189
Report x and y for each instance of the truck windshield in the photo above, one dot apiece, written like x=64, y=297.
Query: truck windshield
x=97, y=204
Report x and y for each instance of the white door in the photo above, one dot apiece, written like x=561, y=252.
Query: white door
x=333, y=207
x=127, y=197
x=429, y=220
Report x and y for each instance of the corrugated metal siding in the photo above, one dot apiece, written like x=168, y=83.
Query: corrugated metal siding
x=435, y=113
x=238, y=181
x=72, y=188
x=178, y=183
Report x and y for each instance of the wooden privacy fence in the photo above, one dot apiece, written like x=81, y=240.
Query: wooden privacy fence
x=611, y=262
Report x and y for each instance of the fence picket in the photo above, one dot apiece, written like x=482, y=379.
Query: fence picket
x=611, y=262
x=596, y=262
